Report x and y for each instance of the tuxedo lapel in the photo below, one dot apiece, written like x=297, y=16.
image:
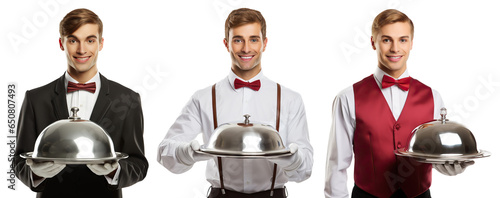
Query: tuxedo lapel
x=102, y=103
x=59, y=100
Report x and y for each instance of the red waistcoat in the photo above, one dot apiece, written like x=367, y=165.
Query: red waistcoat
x=377, y=169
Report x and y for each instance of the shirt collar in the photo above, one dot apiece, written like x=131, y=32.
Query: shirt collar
x=379, y=74
x=96, y=79
x=233, y=76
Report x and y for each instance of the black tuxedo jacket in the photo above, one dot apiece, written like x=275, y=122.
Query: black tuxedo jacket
x=117, y=110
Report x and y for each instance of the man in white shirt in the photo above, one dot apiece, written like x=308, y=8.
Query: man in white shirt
x=376, y=115
x=112, y=106
x=245, y=91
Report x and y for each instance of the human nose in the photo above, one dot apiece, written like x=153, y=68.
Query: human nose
x=246, y=47
x=395, y=47
x=81, y=48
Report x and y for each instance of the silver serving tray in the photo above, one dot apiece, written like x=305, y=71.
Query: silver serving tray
x=245, y=155
x=119, y=156
x=441, y=159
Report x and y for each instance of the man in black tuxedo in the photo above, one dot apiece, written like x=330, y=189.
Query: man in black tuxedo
x=112, y=106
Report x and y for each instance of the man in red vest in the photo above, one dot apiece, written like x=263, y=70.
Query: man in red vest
x=375, y=116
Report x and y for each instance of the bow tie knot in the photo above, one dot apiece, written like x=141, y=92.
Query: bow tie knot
x=403, y=83
x=90, y=87
x=255, y=85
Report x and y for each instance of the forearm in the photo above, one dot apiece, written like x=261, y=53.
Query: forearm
x=166, y=156
x=132, y=170
x=304, y=170
x=335, y=181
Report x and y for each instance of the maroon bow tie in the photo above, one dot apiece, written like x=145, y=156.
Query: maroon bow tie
x=255, y=85
x=403, y=83
x=90, y=87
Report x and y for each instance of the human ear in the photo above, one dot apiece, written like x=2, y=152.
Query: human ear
x=265, y=44
x=373, y=43
x=60, y=44
x=101, y=44
x=226, y=44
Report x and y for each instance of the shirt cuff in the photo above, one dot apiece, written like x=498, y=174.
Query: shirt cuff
x=37, y=182
x=114, y=180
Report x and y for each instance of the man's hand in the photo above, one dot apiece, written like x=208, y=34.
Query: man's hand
x=452, y=169
x=292, y=162
x=103, y=169
x=45, y=169
x=186, y=155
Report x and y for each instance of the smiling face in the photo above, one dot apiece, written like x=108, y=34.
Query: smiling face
x=81, y=48
x=393, y=44
x=245, y=44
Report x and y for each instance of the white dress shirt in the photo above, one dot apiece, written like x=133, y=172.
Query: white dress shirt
x=340, y=146
x=241, y=175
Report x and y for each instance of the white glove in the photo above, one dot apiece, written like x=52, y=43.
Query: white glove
x=289, y=163
x=452, y=169
x=186, y=155
x=103, y=169
x=45, y=169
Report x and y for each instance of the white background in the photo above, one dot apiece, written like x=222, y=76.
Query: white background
x=167, y=50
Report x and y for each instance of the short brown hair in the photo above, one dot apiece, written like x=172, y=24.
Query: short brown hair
x=389, y=16
x=77, y=18
x=245, y=16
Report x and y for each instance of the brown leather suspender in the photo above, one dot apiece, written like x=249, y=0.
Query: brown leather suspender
x=214, y=107
x=278, y=109
x=219, y=159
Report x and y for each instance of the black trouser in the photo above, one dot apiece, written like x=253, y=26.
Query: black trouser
x=278, y=193
x=359, y=193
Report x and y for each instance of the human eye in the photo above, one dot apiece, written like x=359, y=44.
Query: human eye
x=404, y=40
x=237, y=40
x=91, y=41
x=72, y=41
x=386, y=40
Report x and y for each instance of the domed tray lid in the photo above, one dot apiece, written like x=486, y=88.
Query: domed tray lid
x=245, y=140
x=74, y=141
x=440, y=141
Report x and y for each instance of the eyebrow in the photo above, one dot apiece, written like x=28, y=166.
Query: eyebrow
x=88, y=37
x=399, y=37
x=238, y=36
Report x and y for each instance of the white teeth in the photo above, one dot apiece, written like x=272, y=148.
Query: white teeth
x=83, y=58
x=394, y=57
x=245, y=57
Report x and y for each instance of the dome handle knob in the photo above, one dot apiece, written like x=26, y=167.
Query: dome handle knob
x=443, y=115
x=247, y=120
x=74, y=110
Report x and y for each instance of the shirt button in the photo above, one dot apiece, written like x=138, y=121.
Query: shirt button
x=397, y=126
x=399, y=145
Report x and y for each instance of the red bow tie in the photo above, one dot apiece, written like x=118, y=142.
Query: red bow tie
x=255, y=85
x=403, y=83
x=90, y=87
